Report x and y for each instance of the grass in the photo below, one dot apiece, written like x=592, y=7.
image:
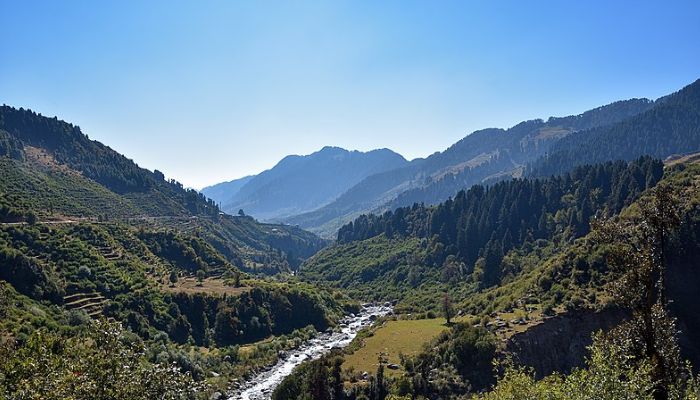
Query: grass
x=209, y=285
x=393, y=338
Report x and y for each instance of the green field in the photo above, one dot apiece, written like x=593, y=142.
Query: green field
x=395, y=337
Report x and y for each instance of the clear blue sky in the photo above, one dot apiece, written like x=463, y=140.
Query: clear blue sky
x=209, y=91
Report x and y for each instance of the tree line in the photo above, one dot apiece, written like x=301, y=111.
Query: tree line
x=487, y=221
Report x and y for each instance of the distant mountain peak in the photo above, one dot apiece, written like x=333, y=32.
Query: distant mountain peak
x=302, y=183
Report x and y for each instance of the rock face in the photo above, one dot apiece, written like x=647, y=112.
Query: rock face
x=560, y=343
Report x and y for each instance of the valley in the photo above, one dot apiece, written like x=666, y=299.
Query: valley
x=380, y=278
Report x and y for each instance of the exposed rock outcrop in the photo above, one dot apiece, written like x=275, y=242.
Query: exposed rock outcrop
x=559, y=344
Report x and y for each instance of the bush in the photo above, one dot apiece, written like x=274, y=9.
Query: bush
x=103, y=362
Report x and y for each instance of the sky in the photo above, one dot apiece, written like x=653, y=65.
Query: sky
x=208, y=91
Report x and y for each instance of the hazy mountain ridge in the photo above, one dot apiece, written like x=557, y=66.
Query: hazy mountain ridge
x=223, y=192
x=475, y=158
x=299, y=184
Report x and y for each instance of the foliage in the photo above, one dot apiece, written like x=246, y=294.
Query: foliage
x=640, y=358
x=102, y=362
x=463, y=244
x=10, y=146
x=457, y=361
x=639, y=253
x=608, y=376
x=108, y=267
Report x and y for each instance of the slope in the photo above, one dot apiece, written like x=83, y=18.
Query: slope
x=479, y=156
x=55, y=173
x=298, y=184
x=413, y=252
x=671, y=127
x=222, y=193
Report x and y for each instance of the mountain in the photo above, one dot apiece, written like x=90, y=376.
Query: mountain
x=54, y=172
x=223, y=192
x=298, y=184
x=480, y=156
x=530, y=271
x=671, y=127
x=108, y=270
x=464, y=239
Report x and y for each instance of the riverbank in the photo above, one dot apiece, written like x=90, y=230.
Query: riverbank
x=261, y=386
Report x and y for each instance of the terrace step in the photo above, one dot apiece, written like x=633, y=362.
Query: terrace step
x=92, y=303
x=84, y=300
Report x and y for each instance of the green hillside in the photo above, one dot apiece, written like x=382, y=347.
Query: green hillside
x=53, y=172
x=463, y=244
x=542, y=283
x=91, y=243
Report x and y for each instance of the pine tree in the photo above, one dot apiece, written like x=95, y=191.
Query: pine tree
x=447, y=308
x=338, y=391
x=380, y=383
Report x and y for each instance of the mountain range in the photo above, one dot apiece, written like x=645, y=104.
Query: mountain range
x=516, y=235
x=51, y=171
x=346, y=184
x=299, y=184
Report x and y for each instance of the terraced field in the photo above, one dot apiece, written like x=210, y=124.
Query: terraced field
x=92, y=303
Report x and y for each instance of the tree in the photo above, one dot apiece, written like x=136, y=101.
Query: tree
x=173, y=278
x=180, y=329
x=99, y=363
x=337, y=380
x=32, y=218
x=447, y=308
x=200, y=276
x=318, y=381
x=4, y=301
x=637, y=253
x=380, y=382
x=493, y=255
x=241, y=213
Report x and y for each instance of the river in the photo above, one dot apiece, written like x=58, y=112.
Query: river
x=262, y=385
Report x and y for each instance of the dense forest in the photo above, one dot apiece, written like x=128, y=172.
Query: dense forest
x=487, y=222
x=69, y=146
x=671, y=127
x=612, y=271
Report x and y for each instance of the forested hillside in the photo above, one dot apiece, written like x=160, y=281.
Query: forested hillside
x=466, y=238
x=480, y=156
x=52, y=171
x=551, y=295
x=671, y=127
x=173, y=290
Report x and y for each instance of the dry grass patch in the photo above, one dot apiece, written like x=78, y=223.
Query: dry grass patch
x=209, y=285
x=393, y=338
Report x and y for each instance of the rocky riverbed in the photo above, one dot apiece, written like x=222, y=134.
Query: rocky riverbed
x=261, y=386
